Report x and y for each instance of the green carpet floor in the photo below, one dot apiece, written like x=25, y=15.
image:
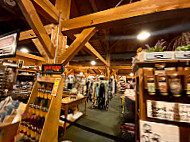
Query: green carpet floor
x=101, y=120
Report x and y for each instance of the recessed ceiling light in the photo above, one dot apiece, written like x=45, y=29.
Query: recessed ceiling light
x=25, y=50
x=131, y=74
x=143, y=35
x=93, y=63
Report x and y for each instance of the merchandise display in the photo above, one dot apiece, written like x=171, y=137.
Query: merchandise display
x=95, y=71
x=163, y=94
x=44, y=103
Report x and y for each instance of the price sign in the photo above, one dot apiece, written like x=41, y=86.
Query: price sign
x=170, y=111
x=55, y=87
x=52, y=68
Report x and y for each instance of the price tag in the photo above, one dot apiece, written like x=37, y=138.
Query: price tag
x=55, y=87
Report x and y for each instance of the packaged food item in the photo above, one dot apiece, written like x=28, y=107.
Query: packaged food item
x=160, y=69
x=162, y=85
x=187, y=80
x=188, y=86
x=151, y=85
x=175, y=84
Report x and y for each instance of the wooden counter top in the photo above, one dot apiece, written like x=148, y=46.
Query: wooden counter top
x=67, y=100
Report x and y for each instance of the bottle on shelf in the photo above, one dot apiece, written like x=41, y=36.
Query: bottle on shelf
x=175, y=84
x=162, y=85
x=151, y=85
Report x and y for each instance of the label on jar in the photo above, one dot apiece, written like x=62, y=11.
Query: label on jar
x=159, y=72
x=188, y=88
x=151, y=87
x=175, y=86
x=163, y=87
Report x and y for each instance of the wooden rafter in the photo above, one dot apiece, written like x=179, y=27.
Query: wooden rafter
x=30, y=33
x=93, y=72
x=35, y=23
x=101, y=71
x=40, y=48
x=93, y=4
x=70, y=71
x=30, y=56
x=99, y=67
x=121, y=67
x=123, y=12
x=50, y=9
x=118, y=13
x=94, y=52
x=64, y=6
x=77, y=44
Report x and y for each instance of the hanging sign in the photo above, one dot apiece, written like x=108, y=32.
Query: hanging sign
x=52, y=68
x=158, y=132
x=8, y=44
x=170, y=111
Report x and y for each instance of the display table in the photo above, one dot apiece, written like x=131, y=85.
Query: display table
x=68, y=103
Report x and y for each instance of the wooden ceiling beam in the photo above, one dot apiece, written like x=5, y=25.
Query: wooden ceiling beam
x=93, y=72
x=121, y=67
x=69, y=72
x=118, y=14
x=25, y=35
x=77, y=44
x=35, y=23
x=113, y=68
x=85, y=67
x=64, y=6
x=93, y=5
x=123, y=12
x=30, y=56
x=50, y=9
x=40, y=48
x=94, y=52
x=101, y=71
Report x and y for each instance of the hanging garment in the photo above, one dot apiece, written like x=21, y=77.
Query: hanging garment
x=101, y=98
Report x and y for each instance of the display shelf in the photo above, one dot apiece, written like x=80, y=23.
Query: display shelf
x=147, y=105
x=26, y=75
x=169, y=63
x=43, y=108
x=45, y=79
x=61, y=124
x=24, y=70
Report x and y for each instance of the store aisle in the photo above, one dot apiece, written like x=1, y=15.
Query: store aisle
x=105, y=121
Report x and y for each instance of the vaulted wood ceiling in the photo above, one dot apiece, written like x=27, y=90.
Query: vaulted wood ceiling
x=120, y=37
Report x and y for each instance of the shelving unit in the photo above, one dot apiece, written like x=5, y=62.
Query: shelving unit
x=25, y=81
x=148, y=107
x=51, y=114
x=3, y=80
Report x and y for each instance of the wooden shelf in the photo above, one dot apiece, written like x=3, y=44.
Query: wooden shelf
x=52, y=116
x=142, y=97
x=46, y=79
x=176, y=63
x=72, y=120
x=25, y=75
x=25, y=70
